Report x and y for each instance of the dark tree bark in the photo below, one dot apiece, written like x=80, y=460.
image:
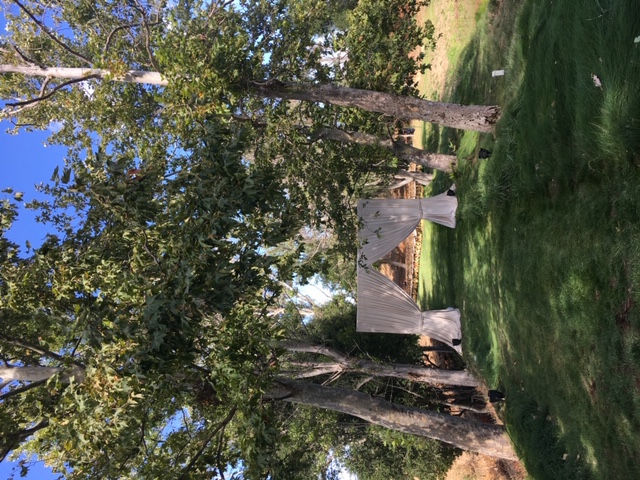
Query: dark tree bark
x=13, y=440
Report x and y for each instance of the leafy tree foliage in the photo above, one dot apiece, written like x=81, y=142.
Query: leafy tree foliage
x=158, y=295
x=334, y=325
x=213, y=55
x=314, y=438
x=150, y=298
x=385, y=454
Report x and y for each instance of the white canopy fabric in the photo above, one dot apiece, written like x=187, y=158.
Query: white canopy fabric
x=387, y=222
x=384, y=307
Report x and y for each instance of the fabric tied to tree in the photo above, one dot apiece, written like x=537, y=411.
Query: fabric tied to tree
x=387, y=222
x=384, y=307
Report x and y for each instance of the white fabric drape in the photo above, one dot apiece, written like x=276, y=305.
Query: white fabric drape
x=387, y=222
x=384, y=307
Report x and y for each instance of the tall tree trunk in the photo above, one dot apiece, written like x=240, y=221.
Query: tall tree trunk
x=28, y=374
x=403, y=178
x=466, y=434
x=407, y=153
x=414, y=373
x=481, y=118
x=418, y=177
x=132, y=76
x=392, y=263
x=13, y=440
x=38, y=374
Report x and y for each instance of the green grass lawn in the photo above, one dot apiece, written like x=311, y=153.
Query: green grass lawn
x=545, y=260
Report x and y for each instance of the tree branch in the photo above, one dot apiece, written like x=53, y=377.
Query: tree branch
x=31, y=346
x=52, y=92
x=219, y=455
x=362, y=383
x=199, y=453
x=43, y=87
x=413, y=373
x=25, y=58
x=113, y=32
x=306, y=298
x=22, y=389
x=147, y=37
x=311, y=369
x=51, y=35
x=11, y=441
x=131, y=76
x=293, y=346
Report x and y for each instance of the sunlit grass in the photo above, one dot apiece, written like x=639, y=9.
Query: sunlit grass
x=545, y=260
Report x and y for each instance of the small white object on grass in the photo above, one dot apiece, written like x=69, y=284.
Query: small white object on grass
x=596, y=80
x=497, y=73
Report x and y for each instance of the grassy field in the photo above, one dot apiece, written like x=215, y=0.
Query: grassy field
x=545, y=261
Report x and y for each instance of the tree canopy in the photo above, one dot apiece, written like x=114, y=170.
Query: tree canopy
x=139, y=340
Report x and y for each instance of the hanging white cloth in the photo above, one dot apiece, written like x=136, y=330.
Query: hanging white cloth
x=384, y=307
x=387, y=222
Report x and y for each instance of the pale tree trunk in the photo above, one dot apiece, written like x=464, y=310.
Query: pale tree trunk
x=132, y=76
x=392, y=263
x=39, y=374
x=28, y=374
x=418, y=177
x=407, y=153
x=413, y=373
x=304, y=312
x=480, y=118
x=465, y=434
x=403, y=178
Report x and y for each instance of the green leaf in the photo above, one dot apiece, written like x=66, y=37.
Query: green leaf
x=66, y=175
x=55, y=177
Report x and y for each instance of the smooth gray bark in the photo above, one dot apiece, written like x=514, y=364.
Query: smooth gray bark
x=38, y=374
x=469, y=435
x=407, y=153
x=414, y=373
x=132, y=76
x=28, y=374
x=418, y=177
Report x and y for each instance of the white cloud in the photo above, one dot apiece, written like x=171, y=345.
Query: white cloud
x=88, y=89
x=55, y=126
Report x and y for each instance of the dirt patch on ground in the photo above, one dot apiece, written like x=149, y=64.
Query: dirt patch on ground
x=471, y=466
x=454, y=22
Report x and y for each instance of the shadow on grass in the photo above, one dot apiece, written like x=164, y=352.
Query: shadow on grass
x=545, y=260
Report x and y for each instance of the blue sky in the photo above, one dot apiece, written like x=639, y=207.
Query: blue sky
x=25, y=162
